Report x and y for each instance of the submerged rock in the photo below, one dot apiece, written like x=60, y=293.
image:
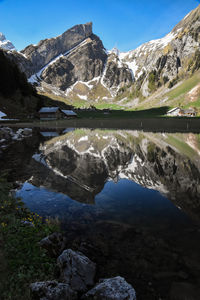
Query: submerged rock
x=112, y=289
x=7, y=134
x=52, y=290
x=54, y=244
x=22, y=133
x=76, y=269
x=27, y=131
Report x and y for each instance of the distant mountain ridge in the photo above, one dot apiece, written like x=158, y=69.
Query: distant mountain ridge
x=75, y=65
x=5, y=44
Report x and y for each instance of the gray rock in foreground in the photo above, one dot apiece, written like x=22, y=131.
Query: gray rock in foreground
x=76, y=269
x=52, y=290
x=112, y=289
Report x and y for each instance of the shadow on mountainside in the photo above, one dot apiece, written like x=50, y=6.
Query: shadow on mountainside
x=108, y=113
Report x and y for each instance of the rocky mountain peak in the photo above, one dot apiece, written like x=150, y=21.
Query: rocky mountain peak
x=5, y=44
x=188, y=20
x=115, y=51
x=46, y=50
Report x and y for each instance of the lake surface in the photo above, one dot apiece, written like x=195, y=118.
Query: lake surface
x=129, y=199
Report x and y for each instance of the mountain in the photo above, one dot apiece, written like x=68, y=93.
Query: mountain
x=76, y=66
x=76, y=62
x=5, y=44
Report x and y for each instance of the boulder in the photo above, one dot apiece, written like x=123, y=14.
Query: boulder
x=52, y=290
x=27, y=131
x=6, y=133
x=111, y=289
x=76, y=269
x=54, y=244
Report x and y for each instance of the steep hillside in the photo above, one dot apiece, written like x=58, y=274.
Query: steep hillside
x=186, y=93
x=164, y=62
x=17, y=96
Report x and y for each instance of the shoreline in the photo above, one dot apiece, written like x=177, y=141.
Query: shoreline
x=145, y=124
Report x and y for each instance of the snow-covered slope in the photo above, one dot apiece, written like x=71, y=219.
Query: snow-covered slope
x=165, y=58
x=132, y=58
x=5, y=44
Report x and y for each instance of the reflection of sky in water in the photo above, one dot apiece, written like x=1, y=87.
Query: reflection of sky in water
x=46, y=202
x=124, y=201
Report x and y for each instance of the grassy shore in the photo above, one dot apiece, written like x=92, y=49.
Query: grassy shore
x=22, y=261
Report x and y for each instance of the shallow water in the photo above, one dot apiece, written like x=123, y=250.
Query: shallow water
x=119, y=190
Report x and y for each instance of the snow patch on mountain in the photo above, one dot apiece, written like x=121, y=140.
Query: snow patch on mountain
x=130, y=57
x=187, y=15
x=83, y=97
x=132, y=66
x=6, y=44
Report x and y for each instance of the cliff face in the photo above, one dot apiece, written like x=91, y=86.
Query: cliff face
x=83, y=63
x=46, y=50
x=116, y=74
x=75, y=57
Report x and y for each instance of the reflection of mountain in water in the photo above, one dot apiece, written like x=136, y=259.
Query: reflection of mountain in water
x=80, y=162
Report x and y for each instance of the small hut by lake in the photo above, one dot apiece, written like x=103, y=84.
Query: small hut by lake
x=50, y=113
x=69, y=114
x=174, y=111
x=180, y=112
x=190, y=112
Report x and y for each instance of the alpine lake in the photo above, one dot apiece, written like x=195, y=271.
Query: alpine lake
x=128, y=199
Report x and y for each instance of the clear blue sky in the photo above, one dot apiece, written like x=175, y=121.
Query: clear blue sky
x=124, y=24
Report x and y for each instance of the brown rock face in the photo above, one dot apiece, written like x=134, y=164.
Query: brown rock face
x=76, y=55
x=84, y=63
x=116, y=75
x=48, y=49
